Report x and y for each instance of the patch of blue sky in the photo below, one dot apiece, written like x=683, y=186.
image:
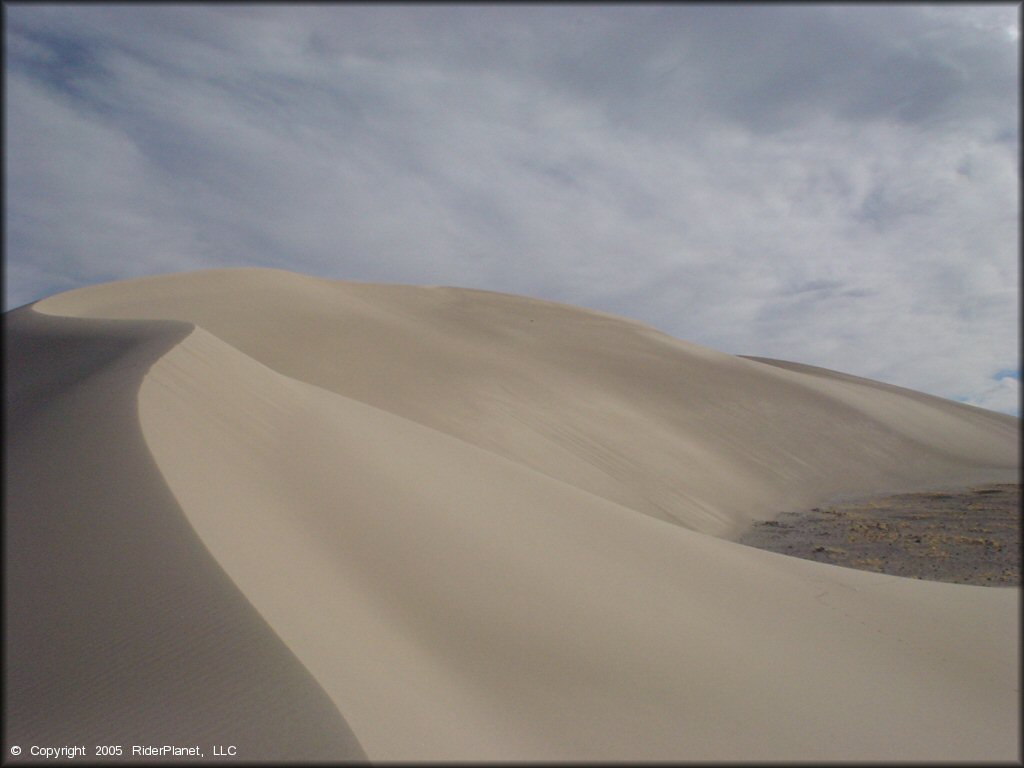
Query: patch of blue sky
x=62, y=65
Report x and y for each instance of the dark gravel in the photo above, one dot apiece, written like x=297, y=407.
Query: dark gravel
x=968, y=536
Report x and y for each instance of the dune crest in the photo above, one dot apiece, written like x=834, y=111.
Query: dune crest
x=495, y=528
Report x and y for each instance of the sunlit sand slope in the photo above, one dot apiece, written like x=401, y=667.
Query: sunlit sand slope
x=671, y=429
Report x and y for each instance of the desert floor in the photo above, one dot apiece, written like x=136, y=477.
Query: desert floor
x=965, y=536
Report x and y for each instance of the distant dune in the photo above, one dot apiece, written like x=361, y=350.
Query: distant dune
x=328, y=520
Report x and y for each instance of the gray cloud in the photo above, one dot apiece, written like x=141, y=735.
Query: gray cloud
x=835, y=185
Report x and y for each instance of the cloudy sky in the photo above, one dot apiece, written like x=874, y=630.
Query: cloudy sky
x=835, y=185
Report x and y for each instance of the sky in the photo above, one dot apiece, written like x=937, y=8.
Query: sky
x=834, y=184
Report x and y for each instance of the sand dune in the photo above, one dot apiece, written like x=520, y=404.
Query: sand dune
x=121, y=628
x=434, y=523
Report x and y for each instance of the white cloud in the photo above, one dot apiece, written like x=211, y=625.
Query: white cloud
x=86, y=207
x=835, y=185
x=1001, y=395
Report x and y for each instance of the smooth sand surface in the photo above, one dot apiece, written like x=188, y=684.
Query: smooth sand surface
x=474, y=526
x=120, y=626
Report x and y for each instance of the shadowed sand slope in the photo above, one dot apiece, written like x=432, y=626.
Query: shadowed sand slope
x=481, y=523
x=120, y=626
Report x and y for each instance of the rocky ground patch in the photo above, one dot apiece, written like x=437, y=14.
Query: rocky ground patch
x=969, y=536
